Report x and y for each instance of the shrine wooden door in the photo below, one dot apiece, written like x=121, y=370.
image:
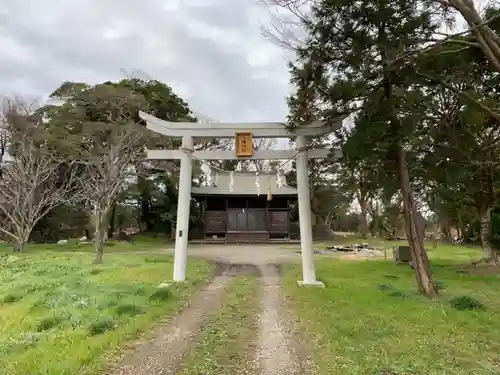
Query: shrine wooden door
x=246, y=220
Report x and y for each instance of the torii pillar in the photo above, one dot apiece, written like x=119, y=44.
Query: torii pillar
x=188, y=130
x=183, y=210
x=304, y=197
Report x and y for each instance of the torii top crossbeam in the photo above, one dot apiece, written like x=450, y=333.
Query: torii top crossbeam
x=228, y=129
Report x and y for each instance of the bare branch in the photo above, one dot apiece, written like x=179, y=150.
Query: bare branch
x=288, y=18
x=108, y=163
x=34, y=182
x=488, y=40
x=493, y=113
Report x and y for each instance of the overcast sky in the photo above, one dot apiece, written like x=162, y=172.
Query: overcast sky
x=211, y=52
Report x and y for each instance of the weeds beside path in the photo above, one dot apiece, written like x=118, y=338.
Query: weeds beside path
x=165, y=353
x=369, y=319
x=59, y=314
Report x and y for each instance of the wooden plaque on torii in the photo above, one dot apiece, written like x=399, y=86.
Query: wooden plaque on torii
x=244, y=144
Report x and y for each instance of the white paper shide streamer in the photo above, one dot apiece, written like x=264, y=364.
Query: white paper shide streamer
x=279, y=179
x=207, y=171
x=257, y=183
x=231, y=182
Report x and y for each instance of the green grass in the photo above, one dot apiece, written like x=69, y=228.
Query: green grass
x=227, y=341
x=61, y=315
x=459, y=253
x=137, y=244
x=369, y=318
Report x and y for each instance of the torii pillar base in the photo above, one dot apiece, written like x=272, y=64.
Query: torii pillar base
x=311, y=284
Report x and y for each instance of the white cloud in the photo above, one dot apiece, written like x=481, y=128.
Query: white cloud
x=210, y=51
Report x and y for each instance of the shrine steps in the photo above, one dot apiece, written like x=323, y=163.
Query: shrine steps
x=245, y=240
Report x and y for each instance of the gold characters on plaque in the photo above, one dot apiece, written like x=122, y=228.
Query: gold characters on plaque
x=244, y=145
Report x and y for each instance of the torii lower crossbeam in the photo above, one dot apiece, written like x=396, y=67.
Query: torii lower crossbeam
x=229, y=155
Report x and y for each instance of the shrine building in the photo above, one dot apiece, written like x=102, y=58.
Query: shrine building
x=244, y=212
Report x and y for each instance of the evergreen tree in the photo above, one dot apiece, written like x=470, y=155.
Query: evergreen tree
x=346, y=67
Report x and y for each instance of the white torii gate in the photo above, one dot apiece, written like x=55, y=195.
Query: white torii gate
x=188, y=130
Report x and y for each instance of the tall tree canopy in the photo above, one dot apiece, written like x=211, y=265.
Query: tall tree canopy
x=81, y=113
x=425, y=108
x=345, y=68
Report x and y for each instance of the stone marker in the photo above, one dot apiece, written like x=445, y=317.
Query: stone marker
x=401, y=254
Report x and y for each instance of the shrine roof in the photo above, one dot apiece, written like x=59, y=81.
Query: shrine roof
x=244, y=184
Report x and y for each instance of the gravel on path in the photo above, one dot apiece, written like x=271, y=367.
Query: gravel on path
x=163, y=355
x=277, y=351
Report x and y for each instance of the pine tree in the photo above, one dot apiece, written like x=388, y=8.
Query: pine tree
x=347, y=67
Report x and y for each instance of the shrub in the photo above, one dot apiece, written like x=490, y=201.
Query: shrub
x=157, y=259
x=11, y=298
x=439, y=285
x=392, y=277
x=466, y=303
x=129, y=309
x=397, y=293
x=384, y=287
x=161, y=294
x=48, y=323
x=100, y=326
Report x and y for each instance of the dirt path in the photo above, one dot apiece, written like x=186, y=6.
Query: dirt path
x=277, y=352
x=164, y=354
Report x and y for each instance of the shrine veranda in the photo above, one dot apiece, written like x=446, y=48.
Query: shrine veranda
x=243, y=133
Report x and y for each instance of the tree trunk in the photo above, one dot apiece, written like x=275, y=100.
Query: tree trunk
x=363, y=225
x=416, y=243
x=100, y=234
x=487, y=38
x=460, y=226
x=489, y=254
x=445, y=229
x=21, y=241
x=99, y=249
x=145, y=205
x=463, y=231
x=329, y=219
x=376, y=226
x=420, y=261
x=112, y=220
x=320, y=219
x=19, y=246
